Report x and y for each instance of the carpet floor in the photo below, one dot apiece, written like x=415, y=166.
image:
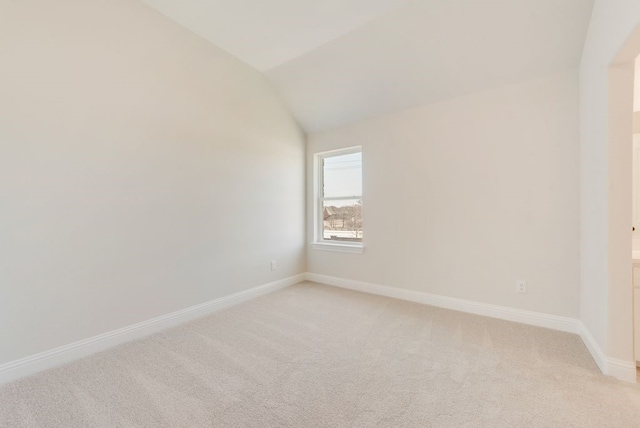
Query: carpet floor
x=316, y=356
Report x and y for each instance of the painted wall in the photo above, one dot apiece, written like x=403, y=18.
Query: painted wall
x=635, y=243
x=464, y=197
x=636, y=311
x=142, y=170
x=606, y=103
x=636, y=88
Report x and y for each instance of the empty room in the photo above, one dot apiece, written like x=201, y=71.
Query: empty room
x=339, y=213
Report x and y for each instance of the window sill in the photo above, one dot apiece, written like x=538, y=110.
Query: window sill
x=340, y=248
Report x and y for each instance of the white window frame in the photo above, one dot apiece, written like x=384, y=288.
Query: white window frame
x=319, y=243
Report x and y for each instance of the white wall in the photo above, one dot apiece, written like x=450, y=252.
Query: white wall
x=636, y=87
x=635, y=243
x=142, y=170
x=464, y=197
x=605, y=159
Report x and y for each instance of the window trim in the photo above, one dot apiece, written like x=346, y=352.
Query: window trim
x=319, y=243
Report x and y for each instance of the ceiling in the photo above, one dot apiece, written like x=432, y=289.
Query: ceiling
x=339, y=61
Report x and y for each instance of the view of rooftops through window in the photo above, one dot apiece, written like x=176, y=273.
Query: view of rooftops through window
x=342, y=197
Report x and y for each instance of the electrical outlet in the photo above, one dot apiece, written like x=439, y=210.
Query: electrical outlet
x=521, y=286
x=274, y=265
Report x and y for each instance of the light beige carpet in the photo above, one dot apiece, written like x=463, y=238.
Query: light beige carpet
x=312, y=355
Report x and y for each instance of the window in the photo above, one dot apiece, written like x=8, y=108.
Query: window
x=338, y=201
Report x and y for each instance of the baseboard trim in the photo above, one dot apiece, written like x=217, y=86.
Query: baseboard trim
x=55, y=357
x=594, y=349
x=622, y=370
x=554, y=322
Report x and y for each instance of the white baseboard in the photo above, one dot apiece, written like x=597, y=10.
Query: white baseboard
x=594, y=349
x=30, y=365
x=65, y=354
x=554, y=322
x=622, y=370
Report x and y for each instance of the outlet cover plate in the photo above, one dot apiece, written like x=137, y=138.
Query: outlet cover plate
x=521, y=286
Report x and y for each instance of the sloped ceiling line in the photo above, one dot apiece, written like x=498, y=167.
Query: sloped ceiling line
x=340, y=61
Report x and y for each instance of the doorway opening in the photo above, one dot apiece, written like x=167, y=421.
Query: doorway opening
x=617, y=131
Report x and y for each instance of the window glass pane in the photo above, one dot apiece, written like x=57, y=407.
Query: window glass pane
x=343, y=175
x=342, y=220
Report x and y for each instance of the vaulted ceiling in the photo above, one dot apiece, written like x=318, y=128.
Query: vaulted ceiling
x=339, y=61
